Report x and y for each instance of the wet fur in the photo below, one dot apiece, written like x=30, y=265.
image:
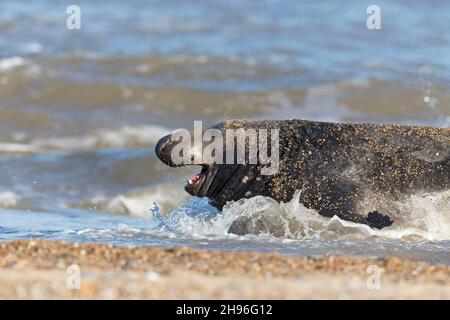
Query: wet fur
x=340, y=168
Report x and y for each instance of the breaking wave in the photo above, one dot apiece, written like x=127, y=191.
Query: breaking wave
x=428, y=220
x=8, y=64
x=126, y=136
x=8, y=199
x=137, y=203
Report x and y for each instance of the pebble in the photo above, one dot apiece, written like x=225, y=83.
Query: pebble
x=42, y=254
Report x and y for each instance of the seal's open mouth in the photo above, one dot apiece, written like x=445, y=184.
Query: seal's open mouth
x=198, y=184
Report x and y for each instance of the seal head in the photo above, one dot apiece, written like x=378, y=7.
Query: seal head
x=217, y=181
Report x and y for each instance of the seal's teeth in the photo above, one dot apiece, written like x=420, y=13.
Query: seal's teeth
x=190, y=181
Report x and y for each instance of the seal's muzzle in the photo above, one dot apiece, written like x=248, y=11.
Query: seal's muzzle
x=164, y=149
x=199, y=184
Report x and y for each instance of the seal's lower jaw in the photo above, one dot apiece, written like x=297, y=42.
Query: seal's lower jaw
x=195, y=185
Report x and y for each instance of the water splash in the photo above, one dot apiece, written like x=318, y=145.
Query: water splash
x=426, y=219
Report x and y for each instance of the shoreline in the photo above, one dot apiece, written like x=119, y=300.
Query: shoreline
x=40, y=269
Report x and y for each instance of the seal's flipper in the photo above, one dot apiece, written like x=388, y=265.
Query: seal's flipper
x=378, y=220
x=339, y=197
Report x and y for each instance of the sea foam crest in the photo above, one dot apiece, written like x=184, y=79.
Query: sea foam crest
x=426, y=218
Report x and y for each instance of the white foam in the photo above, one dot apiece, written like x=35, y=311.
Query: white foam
x=121, y=137
x=17, y=147
x=426, y=217
x=11, y=63
x=8, y=199
x=127, y=136
x=166, y=197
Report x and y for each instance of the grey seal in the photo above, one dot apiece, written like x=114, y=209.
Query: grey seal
x=355, y=171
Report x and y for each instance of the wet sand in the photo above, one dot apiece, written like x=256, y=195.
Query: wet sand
x=42, y=269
